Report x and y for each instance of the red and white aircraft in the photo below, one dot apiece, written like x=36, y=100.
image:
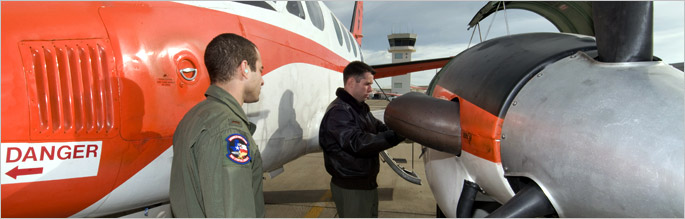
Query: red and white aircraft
x=92, y=93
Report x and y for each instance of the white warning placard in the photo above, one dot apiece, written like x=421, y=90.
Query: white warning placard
x=33, y=162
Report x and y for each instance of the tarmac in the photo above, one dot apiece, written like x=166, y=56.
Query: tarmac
x=303, y=189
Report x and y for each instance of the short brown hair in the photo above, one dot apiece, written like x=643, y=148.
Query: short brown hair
x=356, y=69
x=224, y=54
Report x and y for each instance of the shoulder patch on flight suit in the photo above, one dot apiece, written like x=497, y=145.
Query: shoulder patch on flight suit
x=238, y=149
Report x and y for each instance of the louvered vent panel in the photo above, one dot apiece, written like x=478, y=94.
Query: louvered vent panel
x=72, y=87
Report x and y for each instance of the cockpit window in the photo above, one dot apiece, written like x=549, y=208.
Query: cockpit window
x=261, y=4
x=295, y=8
x=337, y=29
x=315, y=14
x=347, y=39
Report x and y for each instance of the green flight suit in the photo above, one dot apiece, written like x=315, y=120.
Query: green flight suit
x=216, y=170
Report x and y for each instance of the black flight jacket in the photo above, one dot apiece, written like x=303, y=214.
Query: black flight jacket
x=351, y=138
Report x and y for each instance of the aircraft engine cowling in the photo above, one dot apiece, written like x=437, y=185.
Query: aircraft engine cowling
x=615, y=128
x=599, y=139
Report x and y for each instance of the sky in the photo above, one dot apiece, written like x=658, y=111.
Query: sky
x=441, y=28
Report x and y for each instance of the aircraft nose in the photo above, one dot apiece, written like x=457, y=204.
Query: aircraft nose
x=432, y=122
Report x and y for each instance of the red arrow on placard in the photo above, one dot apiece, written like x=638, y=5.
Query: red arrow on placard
x=29, y=171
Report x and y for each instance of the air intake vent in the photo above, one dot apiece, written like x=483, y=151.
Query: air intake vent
x=72, y=87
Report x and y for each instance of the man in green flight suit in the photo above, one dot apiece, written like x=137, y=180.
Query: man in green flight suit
x=217, y=168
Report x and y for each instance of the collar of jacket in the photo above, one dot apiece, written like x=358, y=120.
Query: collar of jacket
x=226, y=98
x=360, y=107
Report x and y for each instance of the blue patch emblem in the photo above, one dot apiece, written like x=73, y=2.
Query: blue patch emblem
x=238, y=149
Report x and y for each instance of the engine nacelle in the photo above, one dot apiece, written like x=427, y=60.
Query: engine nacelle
x=598, y=139
x=601, y=139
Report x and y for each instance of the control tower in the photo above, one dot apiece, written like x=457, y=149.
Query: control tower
x=401, y=47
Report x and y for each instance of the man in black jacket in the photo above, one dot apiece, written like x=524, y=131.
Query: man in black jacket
x=351, y=139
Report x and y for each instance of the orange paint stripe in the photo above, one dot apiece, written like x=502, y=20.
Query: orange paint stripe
x=480, y=130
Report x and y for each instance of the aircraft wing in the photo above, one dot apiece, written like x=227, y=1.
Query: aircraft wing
x=394, y=69
x=567, y=16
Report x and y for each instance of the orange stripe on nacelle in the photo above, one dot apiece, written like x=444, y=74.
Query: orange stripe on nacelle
x=480, y=130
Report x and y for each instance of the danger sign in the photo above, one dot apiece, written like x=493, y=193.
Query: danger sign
x=32, y=162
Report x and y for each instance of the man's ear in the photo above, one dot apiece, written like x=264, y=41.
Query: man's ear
x=349, y=80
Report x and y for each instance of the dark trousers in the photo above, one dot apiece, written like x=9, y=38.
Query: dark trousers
x=354, y=203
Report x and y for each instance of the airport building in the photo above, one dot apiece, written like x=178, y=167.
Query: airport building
x=401, y=47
